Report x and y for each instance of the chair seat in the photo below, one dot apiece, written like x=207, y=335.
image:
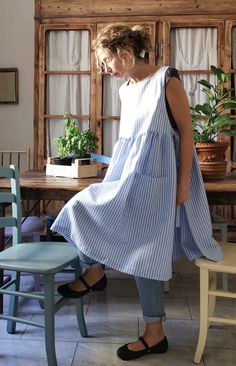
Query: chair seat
x=29, y=257
x=227, y=265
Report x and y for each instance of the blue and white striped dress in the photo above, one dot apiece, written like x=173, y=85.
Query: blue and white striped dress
x=129, y=221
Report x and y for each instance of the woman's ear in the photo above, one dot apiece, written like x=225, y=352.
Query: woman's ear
x=127, y=55
x=127, y=52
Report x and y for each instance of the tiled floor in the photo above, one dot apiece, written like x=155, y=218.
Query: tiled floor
x=114, y=318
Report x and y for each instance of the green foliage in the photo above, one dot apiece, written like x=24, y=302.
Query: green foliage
x=213, y=118
x=74, y=142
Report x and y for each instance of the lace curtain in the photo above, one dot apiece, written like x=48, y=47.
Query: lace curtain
x=111, y=107
x=194, y=49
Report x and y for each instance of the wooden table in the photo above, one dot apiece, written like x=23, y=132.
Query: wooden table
x=35, y=185
x=221, y=191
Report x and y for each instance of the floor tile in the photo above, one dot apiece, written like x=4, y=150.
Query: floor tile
x=32, y=353
x=219, y=357
x=221, y=336
x=182, y=288
x=105, y=354
x=100, y=329
x=19, y=330
x=121, y=287
x=224, y=307
x=114, y=317
x=103, y=304
x=176, y=308
x=180, y=333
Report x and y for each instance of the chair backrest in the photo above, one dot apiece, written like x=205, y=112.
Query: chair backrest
x=20, y=158
x=101, y=158
x=12, y=198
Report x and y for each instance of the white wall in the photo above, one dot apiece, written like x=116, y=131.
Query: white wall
x=17, y=50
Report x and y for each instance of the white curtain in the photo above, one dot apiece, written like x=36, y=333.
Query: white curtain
x=111, y=107
x=194, y=49
x=67, y=51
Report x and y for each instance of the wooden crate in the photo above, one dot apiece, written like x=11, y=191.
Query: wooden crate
x=78, y=169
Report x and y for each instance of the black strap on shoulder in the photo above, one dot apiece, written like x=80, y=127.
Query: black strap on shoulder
x=171, y=72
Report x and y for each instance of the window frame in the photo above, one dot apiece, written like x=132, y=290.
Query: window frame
x=40, y=105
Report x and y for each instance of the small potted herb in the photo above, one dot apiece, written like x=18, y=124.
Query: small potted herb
x=74, y=144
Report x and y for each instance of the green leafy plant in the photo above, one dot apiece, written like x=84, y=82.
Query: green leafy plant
x=75, y=143
x=212, y=118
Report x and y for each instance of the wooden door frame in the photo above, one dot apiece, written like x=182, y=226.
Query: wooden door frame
x=40, y=115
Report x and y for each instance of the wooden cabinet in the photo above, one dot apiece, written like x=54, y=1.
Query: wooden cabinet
x=188, y=34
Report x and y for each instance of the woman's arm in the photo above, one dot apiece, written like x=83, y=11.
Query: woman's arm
x=179, y=106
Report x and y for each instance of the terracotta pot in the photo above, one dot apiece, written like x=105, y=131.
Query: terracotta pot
x=211, y=156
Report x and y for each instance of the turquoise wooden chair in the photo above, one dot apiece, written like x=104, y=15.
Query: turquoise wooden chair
x=31, y=225
x=44, y=258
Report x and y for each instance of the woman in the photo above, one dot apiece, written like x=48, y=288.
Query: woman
x=151, y=207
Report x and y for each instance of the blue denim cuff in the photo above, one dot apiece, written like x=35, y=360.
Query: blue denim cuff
x=154, y=319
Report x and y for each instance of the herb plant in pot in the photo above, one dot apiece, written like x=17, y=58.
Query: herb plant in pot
x=212, y=119
x=74, y=144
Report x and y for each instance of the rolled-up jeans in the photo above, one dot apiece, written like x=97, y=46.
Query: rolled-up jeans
x=150, y=293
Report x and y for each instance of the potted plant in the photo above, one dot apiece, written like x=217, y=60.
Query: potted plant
x=212, y=119
x=74, y=144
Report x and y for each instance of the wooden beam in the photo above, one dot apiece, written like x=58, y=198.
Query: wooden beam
x=83, y=8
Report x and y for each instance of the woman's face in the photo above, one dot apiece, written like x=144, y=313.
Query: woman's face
x=111, y=63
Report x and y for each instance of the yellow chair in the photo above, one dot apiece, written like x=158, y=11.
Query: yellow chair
x=39, y=258
x=209, y=292
x=219, y=223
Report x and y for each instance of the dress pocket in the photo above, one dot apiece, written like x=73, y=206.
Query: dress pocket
x=148, y=193
x=146, y=212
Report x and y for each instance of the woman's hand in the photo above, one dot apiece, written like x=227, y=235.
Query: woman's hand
x=182, y=193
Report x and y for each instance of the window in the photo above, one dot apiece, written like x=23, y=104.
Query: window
x=192, y=51
x=67, y=83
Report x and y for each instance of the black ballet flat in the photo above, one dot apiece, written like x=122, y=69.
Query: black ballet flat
x=127, y=355
x=66, y=291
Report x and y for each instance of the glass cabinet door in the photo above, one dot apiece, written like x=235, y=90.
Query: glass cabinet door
x=67, y=83
x=192, y=50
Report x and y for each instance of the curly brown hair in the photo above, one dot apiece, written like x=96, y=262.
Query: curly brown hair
x=117, y=37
